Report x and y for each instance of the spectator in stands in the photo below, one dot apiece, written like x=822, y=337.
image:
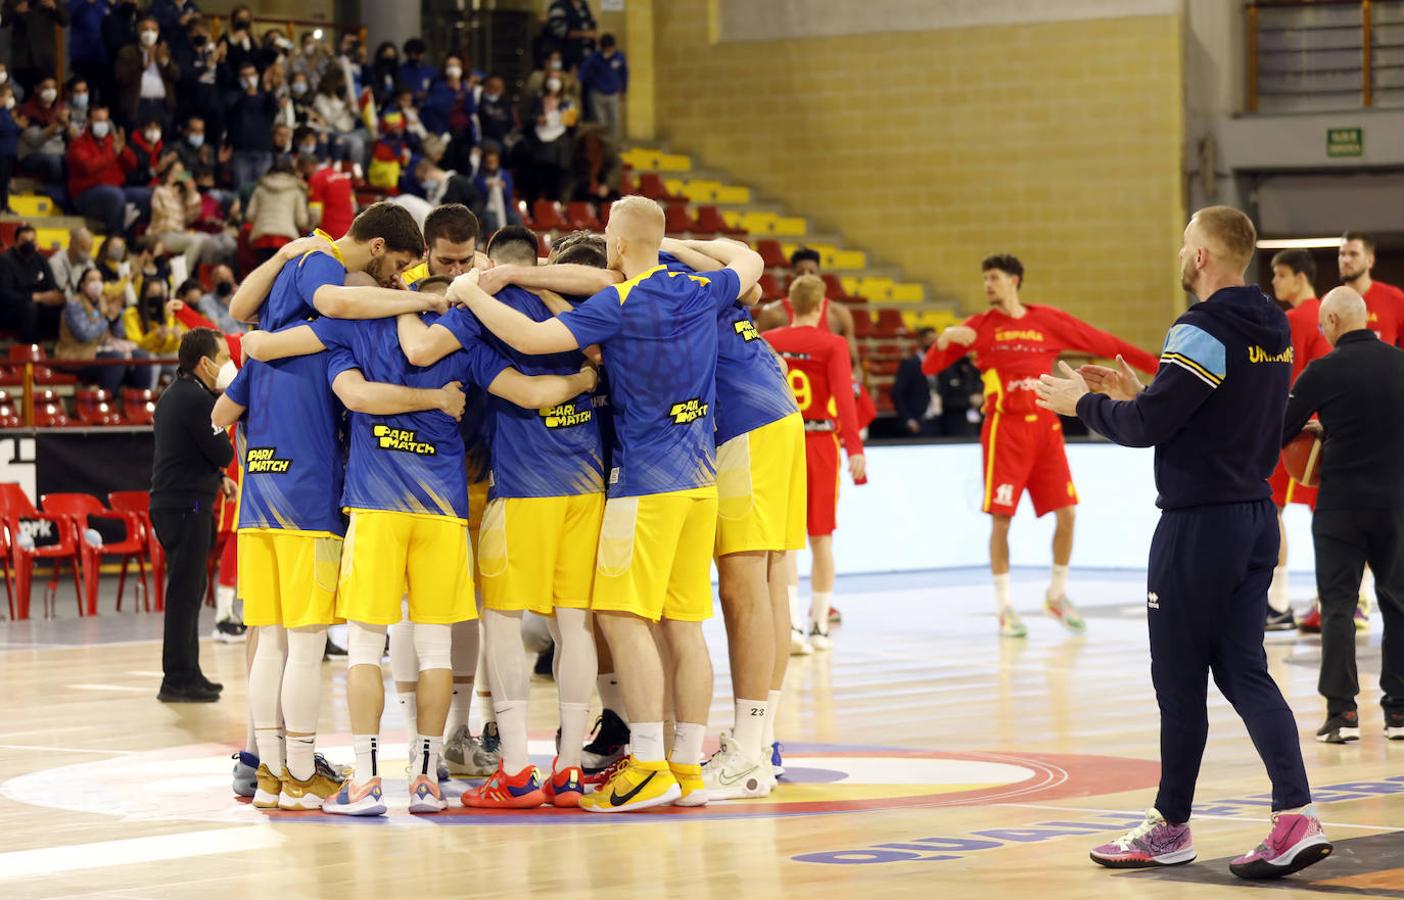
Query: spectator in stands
x=538, y=85
x=549, y=143
x=314, y=60
x=605, y=77
x=31, y=303
x=96, y=179
x=598, y=168
x=494, y=185
x=193, y=151
x=339, y=115
x=278, y=209
x=384, y=75
x=198, y=93
x=146, y=78
x=496, y=115
x=282, y=139
x=449, y=107
x=88, y=331
x=239, y=47
x=87, y=56
x=389, y=154
x=571, y=26
x=443, y=186
x=415, y=73
x=116, y=269
x=33, y=50
x=331, y=195
x=153, y=327
x=300, y=95
x=176, y=206
x=142, y=156
x=173, y=14
x=249, y=118
x=71, y=264
x=44, y=122
x=9, y=144
x=414, y=130
x=962, y=394
x=119, y=28
x=5, y=79
x=215, y=305
x=78, y=95
x=913, y=396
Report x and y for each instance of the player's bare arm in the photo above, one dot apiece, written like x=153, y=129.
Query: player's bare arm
x=266, y=346
x=963, y=335
x=771, y=315
x=248, y=299
x=359, y=302
x=226, y=412
x=539, y=391
x=424, y=345
x=692, y=254
x=377, y=399
x=568, y=278
x=521, y=332
x=741, y=259
x=842, y=324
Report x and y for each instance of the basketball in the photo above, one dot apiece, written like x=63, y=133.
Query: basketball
x=1302, y=457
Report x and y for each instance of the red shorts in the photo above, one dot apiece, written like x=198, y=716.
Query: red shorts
x=1286, y=489
x=821, y=459
x=1025, y=451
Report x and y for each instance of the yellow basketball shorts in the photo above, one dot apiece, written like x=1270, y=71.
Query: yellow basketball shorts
x=391, y=554
x=655, y=557
x=538, y=553
x=761, y=489
x=288, y=578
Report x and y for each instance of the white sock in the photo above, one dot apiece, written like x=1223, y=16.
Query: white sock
x=458, y=706
x=797, y=614
x=772, y=712
x=251, y=738
x=646, y=741
x=512, y=727
x=1058, y=582
x=687, y=743
x=819, y=604
x=610, y=696
x=1367, y=585
x=367, y=748
x=1001, y=586
x=575, y=720
x=224, y=603
x=300, y=749
x=1277, y=591
x=270, y=749
x=750, y=726
x=409, y=707
x=428, y=751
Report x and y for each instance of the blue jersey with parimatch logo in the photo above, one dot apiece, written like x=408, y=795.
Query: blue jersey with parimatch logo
x=658, y=332
x=412, y=462
x=552, y=452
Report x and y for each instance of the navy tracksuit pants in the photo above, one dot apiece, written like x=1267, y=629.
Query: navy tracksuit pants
x=1210, y=567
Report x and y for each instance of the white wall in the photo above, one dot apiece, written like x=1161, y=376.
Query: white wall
x=921, y=510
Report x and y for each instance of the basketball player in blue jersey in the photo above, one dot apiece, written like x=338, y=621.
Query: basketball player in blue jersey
x=290, y=527
x=537, y=548
x=658, y=333
x=407, y=496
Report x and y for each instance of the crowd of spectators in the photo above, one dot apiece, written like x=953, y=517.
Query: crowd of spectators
x=194, y=153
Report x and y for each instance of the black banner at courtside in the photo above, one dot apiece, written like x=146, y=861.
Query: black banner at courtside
x=76, y=460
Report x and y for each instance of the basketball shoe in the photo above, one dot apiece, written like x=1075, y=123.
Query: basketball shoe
x=799, y=643
x=425, y=795
x=1062, y=609
x=1010, y=625
x=1394, y=724
x=1295, y=842
x=690, y=781
x=1154, y=842
x=594, y=781
x=565, y=787
x=608, y=744
x=1280, y=621
x=502, y=791
x=309, y=794
x=731, y=775
x=1340, y=728
x=1311, y=622
x=267, y=788
x=366, y=799
x=818, y=639
x=637, y=785
x=777, y=762
x=245, y=774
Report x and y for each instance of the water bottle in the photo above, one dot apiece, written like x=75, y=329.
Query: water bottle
x=25, y=541
x=92, y=538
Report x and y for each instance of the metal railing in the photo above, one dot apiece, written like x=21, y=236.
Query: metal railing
x=28, y=385
x=1318, y=55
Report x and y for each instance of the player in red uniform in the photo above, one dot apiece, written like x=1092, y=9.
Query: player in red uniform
x=821, y=376
x=1013, y=344
x=1293, y=277
x=1385, y=302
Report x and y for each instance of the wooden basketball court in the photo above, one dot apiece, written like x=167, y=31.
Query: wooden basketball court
x=926, y=757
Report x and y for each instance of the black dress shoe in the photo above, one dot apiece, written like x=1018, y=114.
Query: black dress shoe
x=191, y=693
x=334, y=650
x=211, y=685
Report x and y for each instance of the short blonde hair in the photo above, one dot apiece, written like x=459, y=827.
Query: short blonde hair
x=648, y=211
x=806, y=294
x=1232, y=233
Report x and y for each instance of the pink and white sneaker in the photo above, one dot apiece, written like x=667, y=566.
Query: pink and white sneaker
x=426, y=796
x=1154, y=842
x=1295, y=842
x=364, y=799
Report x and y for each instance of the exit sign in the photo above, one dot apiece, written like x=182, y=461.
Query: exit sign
x=1345, y=141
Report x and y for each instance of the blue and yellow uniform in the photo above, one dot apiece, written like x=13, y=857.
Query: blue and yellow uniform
x=761, y=491
x=540, y=532
x=406, y=483
x=290, y=524
x=658, y=332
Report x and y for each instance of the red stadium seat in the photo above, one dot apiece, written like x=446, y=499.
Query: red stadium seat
x=651, y=186
x=709, y=218
x=527, y=220
x=770, y=287
x=33, y=353
x=138, y=503
x=547, y=216
x=862, y=325
x=15, y=506
x=772, y=254
x=889, y=324
x=81, y=509
x=627, y=184
x=833, y=288
x=604, y=213
x=49, y=411
x=93, y=406
x=581, y=216
x=9, y=416
x=138, y=406
x=676, y=220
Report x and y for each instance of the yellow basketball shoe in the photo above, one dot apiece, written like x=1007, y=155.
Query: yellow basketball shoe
x=269, y=788
x=689, y=779
x=638, y=785
x=309, y=794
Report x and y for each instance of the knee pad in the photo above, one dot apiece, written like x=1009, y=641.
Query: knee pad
x=365, y=644
x=434, y=644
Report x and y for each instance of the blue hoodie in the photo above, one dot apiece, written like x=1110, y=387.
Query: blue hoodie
x=1214, y=411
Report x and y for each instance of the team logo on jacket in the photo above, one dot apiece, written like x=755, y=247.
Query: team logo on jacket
x=564, y=416
x=1257, y=354
x=405, y=440
x=264, y=461
x=747, y=330
x=688, y=411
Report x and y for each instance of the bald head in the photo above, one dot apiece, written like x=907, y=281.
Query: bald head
x=634, y=234
x=1342, y=310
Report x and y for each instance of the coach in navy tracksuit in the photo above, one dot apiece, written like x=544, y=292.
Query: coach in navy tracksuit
x=1214, y=415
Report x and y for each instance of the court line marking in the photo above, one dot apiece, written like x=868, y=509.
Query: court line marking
x=1130, y=813
x=117, y=688
x=155, y=848
x=65, y=749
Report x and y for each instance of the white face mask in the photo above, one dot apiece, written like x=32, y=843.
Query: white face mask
x=80, y=101
x=195, y=140
x=4, y=76
x=453, y=72
x=148, y=38
x=251, y=82
x=100, y=129
x=153, y=136
x=226, y=375
x=93, y=289
x=553, y=84
x=48, y=95
x=299, y=88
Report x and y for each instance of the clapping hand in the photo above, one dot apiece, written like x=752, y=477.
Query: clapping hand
x=1120, y=383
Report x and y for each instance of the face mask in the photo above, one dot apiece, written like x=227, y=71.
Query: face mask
x=92, y=290
x=153, y=136
x=308, y=149
x=195, y=140
x=25, y=249
x=226, y=375
x=251, y=83
x=148, y=38
x=243, y=24
x=553, y=84
x=48, y=95
x=309, y=49
x=492, y=98
x=4, y=77
x=223, y=289
x=556, y=64
x=299, y=88
x=453, y=72
x=80, y=101
x=115, y=254
x=100, y=129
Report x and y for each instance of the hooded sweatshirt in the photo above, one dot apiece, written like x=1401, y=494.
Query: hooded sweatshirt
x=278, y=207
x=1214, y=411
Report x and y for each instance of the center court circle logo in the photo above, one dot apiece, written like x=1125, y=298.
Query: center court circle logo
x=193, y=783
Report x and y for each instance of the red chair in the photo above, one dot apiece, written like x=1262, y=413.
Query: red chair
x=651, y=186
x=15, y=506
x=9, y=416
x=604, y=213
x=81, y=509
x=94, y=407
x=833, y=288
x=33, y=353
x=49, y=411
x=547, y=215
x=138, y=406
x=138, y=503
x=862, y=325
x=525, y=213
x=889, y=324
x=676, y=220
x=770, y=287
x=709, y=218
x=581, y=216
x=772, y=254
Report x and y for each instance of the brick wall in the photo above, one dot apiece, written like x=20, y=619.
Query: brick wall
x=1060, y=142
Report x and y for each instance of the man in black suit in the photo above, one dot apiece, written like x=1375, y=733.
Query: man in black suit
x=911, y=390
